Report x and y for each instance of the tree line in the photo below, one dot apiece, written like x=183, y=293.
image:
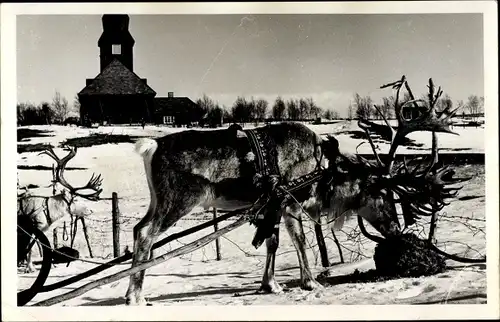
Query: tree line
x=46, y=113
x=364, y=107
x=245, y=110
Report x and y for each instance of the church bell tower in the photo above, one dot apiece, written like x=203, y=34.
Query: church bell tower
x=116, y=41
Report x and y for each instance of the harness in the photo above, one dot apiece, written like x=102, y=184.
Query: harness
x=268, y=180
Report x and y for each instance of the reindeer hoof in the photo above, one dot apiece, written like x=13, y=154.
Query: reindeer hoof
x=310, y=285
x=270, y=287
x=140, y=301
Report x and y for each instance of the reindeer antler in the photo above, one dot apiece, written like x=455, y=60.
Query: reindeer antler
x=429, y=120
x=93, y=184
x=423, y=190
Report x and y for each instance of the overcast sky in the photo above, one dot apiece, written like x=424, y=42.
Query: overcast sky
x=327, y=57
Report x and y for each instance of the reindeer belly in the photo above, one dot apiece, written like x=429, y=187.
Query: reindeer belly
x=234, y=193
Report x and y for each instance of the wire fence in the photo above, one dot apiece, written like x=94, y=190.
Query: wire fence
x=100, y=231
x=350, y=240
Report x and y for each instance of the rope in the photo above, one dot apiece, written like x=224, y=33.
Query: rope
x=306, y=213
x=65, y=232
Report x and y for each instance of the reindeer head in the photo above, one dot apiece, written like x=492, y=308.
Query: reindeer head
x=75, y=197
x=354, y=187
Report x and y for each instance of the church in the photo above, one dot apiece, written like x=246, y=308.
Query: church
x=117, y=95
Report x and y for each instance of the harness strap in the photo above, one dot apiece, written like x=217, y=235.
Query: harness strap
x=265, y=153
x=65, y=232
x=46, y=212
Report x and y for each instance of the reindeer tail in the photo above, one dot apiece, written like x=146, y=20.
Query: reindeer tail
x=146, y=147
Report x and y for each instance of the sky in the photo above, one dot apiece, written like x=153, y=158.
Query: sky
x=324, y=56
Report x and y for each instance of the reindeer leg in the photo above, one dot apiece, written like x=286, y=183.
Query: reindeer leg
x=30, y=268
x=296, y=231
x=161, y=216
x=145, y=234
x=269, y=284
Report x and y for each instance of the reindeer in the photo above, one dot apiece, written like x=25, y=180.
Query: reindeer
x=44, y=212
x=211, y=169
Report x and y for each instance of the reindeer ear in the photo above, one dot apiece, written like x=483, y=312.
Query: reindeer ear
x=331, y=147
x=65, y=192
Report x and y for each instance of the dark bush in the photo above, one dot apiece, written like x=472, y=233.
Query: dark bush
x=98, y=139
x=72, y=120
x=23, y=134
x=39, y=147
x=407, y=256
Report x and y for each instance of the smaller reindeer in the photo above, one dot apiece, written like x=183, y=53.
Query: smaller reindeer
x=45, y=211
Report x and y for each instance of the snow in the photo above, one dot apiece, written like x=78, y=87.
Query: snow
x=198, y=279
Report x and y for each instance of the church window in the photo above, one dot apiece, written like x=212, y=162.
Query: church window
x=116, y=49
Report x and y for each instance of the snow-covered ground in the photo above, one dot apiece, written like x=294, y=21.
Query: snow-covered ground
x=468, y=140
x=197, y=278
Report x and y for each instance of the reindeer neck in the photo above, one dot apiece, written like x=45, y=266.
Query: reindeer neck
x=57, y=207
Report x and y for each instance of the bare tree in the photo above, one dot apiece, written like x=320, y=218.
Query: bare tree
x=279, y=108
x=260, y=110
x=363, y=106
x=461, y=107
x=205, y=103
x=292, y=107
x=331, y=115
x=314, y=110
x=474, y=106
x=444, y=103
x=304, y=112
x=215, y=116
x=47, y=112
x=60, y=108
x=76, y=104
x=387, y=107
x=242, y=110
x=335, y=115
x=21, y=113
x=350, y=111
x=252, y=108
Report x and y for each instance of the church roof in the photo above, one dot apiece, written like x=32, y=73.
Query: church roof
x=176, y=105
x=116, y=79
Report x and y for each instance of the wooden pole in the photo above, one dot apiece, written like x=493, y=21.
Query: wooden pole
x=321, y=245
x=127, y=256
x=73, y=233
x=217, y=241
x=86, y=236
x=144, y=265
x=338, y=246
x=435, y=157
x=116, y=225
x=54, y=232
x=54, y=237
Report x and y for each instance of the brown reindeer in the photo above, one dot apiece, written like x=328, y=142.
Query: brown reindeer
x=46, y=211
x=213, y=169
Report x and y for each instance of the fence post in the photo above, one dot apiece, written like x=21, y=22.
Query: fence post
x=116, y=225
x=217, y=242
x=321, y=245
x=86, y=236
x=338, y=246
x=54, y=237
